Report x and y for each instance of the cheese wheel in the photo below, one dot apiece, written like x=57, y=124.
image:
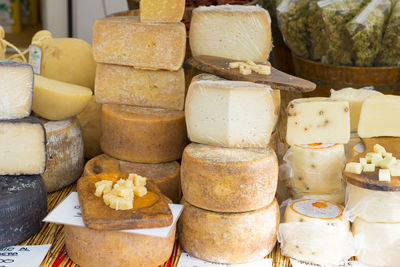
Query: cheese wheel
x=378, y=243
x=314, y=231
x=229, y=179
x=336, y=197
x=276, y=98
x=348, y=148
x=161, y=10
x=64, y=153
x=228, y=237
x=165, y=175
x=274, y=141
x=145, y=135
x=92, y=248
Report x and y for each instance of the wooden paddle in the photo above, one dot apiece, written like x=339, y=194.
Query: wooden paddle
x=277, y=79
x=149, y=211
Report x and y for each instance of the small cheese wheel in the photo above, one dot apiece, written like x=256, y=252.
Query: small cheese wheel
x=92, y=248
x=336, y=197
x=229, y=179
x=64, y=153
x=228, y=237
x=165, y=175
x=145, y=135
x=348, y=148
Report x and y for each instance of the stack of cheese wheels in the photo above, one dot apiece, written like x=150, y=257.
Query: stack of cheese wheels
x=317, y=128
x=23, y=200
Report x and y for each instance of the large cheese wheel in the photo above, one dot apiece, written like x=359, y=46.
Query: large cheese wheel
x=146, y=135
x=228, y=237
x=91, y=248
x=337, y=197
x=315, y=231
x=378, y=243
x=64, y=153
x=23, y=205
x=229, y=179
x=165, y=175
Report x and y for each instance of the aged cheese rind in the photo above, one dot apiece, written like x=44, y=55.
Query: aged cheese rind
x=165, y=175
x=228, y=179
x=91, y=248
x=126, y=41
x=16, y=89
x=219, y=31
x=65, y=155
x=161, y=10
x=318, y=120
x=127, y=85
x=228, y=237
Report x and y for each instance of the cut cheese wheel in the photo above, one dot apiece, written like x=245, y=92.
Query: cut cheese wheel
x=219, y=31
x=146, y=88
x=229, y=179
x=23, y=205
x=336, y=197
x=89, y=119
x=228, y=237
x=64, y=153
x=145, y=135
x=55, y=100
x=165, y=175
x=126, y=41
x=161, y=10
x=314, y=231
x=379, y=243
x=92, y=248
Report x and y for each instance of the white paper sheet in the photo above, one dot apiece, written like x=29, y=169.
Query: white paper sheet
x=26, y=256
x=188, y=261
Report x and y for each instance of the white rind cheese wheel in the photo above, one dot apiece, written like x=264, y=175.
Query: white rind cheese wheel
x=228, y=237
x=229, y=179
x=336, y=197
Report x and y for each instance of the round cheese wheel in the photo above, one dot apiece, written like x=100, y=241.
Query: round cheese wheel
x=378, y=243
x=65, y=157
x=23, y=205
x=315, y=231
x=228, y=237
x=276, y=98
x=229, y=179
x=92, y=248
x=146, y=135
x=165, y=175
x=336, y=197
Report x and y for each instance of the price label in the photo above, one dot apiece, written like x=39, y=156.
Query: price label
x=27, y=256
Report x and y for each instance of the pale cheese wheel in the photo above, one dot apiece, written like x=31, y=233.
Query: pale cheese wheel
x=276, y=98
x=229, y=179
x=65, y=157
x=145, y=135
x=228, y=237
x=165, y=175
x=336, y=197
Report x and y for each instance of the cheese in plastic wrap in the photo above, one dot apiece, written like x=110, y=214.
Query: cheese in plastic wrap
x=337, y=197
x=314, y=231
x=316, y=26
x=2, y=44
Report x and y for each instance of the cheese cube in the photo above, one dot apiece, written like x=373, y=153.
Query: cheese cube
x=353, y=167
x=103, y=187
x=386, y=154
x=395, y=169
x=231, y=31
x=380, y=116
x=376, y=161
x=369, y=167
x=384, y=175
x=379, y=149
x=16, y=89
x=387, y=162
x=318, y=120
x=161, y=10
x=126, y=41
x=363, y=161
x=140, y=191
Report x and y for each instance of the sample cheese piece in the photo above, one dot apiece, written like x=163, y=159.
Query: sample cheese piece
x=23, y=146
x=103, y=187
x=127, y=85
x=336, y=197
x=161, y=10
x=55, y=100
x=16, y=89
x=380, y=117
x=356, y=98
x=219, y=31
x=92, y=248
x=126, y=41
x=378, y=243
x=65, y=158
x=317, y=119
x=229, y=113
x=145, y=135
x=228, y=237
x=384, y=175
x=354, y=140
x=353, y=167
x=165, y=175
x=228, y=179
x=23, y=205
x=314, y=231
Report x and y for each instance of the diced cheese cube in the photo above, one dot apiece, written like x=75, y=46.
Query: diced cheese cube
x=245, y=71
x=140, y=191
x=387, y=162
x=373, y=155
x=234, y=65
x=161, y=10
x=395, y=169
x=376, y=161
x=103, y=187
x=387, y=154
x=363, y=161
x=384, y=175
x=353, y=167
x=251, y=63
x=122, y=191
x=379, y=149
x=369, y=167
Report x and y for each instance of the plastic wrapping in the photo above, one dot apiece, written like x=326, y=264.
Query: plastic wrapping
x=337, y=197
x=316, y=26
x=348, y=148
x=357, y=149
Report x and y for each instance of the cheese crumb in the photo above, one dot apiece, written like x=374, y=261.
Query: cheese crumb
x=384, y=175
x=353, y=167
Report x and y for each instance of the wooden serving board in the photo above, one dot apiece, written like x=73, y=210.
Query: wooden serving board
x=370, y=180
x=278, y=80
x=149, y=211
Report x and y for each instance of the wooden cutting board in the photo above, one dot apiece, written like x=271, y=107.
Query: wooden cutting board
x=149, y=211
x=370, y=180
x=278, y=80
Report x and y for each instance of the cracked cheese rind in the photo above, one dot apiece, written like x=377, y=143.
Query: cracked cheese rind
x=161, y=10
